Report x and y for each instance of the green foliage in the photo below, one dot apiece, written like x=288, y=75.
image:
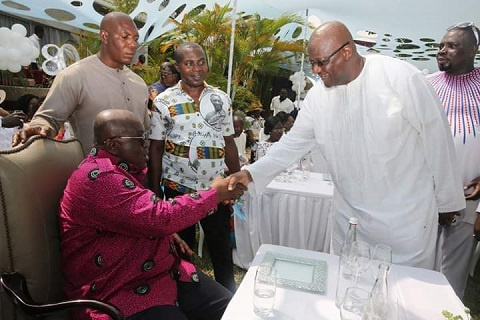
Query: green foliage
x=149, y=73
x=448, y=315
x=126, y=6
x=88, y=43
x=244, y=100
x=257, y=51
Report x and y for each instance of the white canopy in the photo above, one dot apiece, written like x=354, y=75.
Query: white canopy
x=406, y=29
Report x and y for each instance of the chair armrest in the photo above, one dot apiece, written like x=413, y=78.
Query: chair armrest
x=15, y=286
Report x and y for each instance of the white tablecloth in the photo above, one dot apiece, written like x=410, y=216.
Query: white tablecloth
x=296, y=214
x=418, y=293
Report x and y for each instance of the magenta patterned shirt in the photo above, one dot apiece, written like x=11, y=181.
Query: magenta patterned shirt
x=116, y=236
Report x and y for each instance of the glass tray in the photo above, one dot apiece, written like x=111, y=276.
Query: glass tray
x=297, y=272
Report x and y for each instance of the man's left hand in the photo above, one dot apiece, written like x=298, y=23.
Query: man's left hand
x=446, y=219
x=182, y=246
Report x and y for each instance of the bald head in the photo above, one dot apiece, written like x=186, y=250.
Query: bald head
x=333, y=54
x=111, y=19
x=333, y=32
x=115, y=122
x=119, y=37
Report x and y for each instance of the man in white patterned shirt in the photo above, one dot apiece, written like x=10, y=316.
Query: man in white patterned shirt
x=188, y=150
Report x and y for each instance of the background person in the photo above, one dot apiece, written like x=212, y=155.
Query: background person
x=458, y=85
x=386, y=142
x=287, y=120
x=96, y=83
x=281, y=103
x=36, y=37
x=28, y=104
x=169, y=77
x=274, y=130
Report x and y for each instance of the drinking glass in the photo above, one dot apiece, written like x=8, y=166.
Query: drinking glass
x=355, y=304
x=264, y=290
x=359, y=258
x=382, y=254
x=305, y=166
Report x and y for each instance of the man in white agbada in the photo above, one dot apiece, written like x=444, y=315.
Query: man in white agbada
x=387, y=144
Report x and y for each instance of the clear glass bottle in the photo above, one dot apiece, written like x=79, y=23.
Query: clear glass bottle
x=345, y=276
x=378, y=308
x=350, y=237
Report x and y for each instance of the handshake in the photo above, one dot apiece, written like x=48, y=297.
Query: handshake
x=232, y=187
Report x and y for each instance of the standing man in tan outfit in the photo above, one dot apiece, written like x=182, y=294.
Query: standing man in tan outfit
x=98, y=82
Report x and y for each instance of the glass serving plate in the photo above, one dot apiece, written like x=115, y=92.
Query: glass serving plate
x=298, y=273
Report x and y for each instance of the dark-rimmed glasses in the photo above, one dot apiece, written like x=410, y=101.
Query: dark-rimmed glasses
x=143, y=138
x=464, y=25
x=325, y=61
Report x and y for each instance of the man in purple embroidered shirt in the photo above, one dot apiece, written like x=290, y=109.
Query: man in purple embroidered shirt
x=116, y=235
x=458, y=87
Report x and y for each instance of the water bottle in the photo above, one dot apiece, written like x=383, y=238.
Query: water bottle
x=378, y=308
x=350, y=237
x=345, y=275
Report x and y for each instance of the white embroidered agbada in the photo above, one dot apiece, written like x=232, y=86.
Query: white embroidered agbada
x=389, y=150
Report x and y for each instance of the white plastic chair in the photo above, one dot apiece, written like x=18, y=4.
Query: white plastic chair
x=201, y=237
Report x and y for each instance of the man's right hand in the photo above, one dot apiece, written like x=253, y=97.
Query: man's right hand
x=242, y=177
x=23, y=135
x=224, y=194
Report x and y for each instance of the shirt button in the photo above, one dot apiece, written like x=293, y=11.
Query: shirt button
x=128, y=99
x=99, y=260
x=123, y=82
x=148, y=265
x=142, y=290
x=194, y=277
x=93, y=287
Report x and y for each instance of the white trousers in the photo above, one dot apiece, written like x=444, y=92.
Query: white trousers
x=455, y=248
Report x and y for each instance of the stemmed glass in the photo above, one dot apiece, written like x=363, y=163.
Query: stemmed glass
x=355, y=304
x=359, y=258
x=382, y=254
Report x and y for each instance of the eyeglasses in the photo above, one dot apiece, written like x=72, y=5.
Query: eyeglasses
x=464, y=25
x=325, y=61
x=143, y=138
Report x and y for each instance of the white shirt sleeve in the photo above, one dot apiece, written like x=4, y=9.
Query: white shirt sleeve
x=283, y=153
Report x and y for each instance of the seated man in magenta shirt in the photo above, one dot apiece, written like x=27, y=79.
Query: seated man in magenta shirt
x=116, y=235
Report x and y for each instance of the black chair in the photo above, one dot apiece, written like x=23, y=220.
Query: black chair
x=32, y=179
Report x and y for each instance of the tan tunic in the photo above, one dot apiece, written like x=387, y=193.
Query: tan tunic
x=84, y=89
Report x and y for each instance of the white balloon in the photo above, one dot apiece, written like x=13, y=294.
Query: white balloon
x=14, y=67
x=35, y=53
x=15, y=39
x=25, y=61
x=13, y=55
x=26, y=47
x=3, y=64
x=4, y=35
x=19, y=29
x=3, y=53
x=50, y=67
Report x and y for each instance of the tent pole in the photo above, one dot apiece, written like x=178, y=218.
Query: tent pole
x=303, y=58
x=232, y=42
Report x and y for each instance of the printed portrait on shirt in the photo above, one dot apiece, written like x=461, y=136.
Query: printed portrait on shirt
x=214, y=110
